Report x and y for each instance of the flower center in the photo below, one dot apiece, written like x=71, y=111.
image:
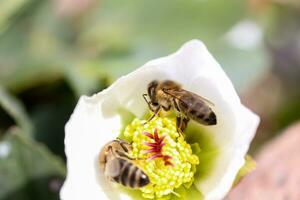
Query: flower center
x=156, y=147
x=163, y=155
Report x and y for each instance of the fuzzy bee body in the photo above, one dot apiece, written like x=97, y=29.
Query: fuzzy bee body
x=119, y=167
x=169, y=94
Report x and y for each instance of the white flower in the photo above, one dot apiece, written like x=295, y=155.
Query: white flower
x=99, y=119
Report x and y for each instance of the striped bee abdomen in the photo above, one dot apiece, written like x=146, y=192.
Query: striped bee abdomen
x=197, y=109
x=131, y=175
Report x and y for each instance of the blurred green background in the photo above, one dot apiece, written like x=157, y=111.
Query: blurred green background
x=51, y=52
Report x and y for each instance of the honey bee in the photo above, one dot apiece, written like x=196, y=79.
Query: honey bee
x=119, y=167
x=169, y=94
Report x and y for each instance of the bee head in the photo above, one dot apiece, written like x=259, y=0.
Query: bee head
x=152, y=91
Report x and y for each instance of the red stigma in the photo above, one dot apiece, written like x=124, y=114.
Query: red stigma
x=156, y=147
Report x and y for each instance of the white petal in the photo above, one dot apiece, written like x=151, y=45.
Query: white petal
x=96, y=120
x=89, y=128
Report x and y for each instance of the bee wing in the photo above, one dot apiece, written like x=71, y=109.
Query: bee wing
x=125, y=145
x=204, y=99
x=179, y=93
x=112, y=168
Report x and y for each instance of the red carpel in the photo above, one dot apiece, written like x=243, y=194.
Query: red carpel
x=156, y=147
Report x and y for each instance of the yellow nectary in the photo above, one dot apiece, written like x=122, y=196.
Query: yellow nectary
x=174, y=163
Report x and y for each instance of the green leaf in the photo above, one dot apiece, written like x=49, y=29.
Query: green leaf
x=154, y=34
x=8, y=9
x=149, y=34
x=84, y=78
x=172, y=23
x=248, y=167
x=49, y=120
x=16, y=110
x=35, y=55
x=27, y=169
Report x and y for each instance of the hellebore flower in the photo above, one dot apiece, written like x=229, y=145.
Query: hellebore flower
x=217, y=153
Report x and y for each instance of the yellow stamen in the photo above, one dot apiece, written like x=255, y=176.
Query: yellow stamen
x=164, y=179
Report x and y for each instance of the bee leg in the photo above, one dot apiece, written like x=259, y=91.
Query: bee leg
x=123, y=154
x=184, y=123
x=125, y=146
x=181, y=120
x=154, y=114
x=139, y=159
x=167, y=108
x=148, y=102
x=181, y=123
